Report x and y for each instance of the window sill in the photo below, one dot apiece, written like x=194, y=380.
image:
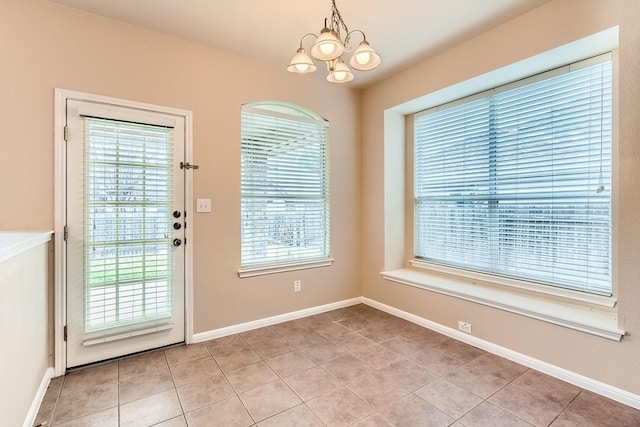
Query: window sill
x=573, y=315
x=555, y=292
x=281, y=268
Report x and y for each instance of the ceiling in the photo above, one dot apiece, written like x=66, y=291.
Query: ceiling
x=402, y=31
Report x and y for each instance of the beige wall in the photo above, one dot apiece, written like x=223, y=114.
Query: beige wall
x=45, y=46
x=554, y=24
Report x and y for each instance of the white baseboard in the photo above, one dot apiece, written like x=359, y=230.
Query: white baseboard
x=581, y=381
x=267, y=321
x=37, y=399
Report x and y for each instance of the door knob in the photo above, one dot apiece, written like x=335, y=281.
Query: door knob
x=177, y=226
x=176, y=214
x=177, y=242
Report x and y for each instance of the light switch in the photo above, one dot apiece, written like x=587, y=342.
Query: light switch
x=203, y=205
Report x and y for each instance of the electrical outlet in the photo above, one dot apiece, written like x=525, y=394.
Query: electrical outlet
x=464, y=327
x=297, y=286
x=203, y=205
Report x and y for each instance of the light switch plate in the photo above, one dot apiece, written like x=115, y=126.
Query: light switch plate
x=203, y=205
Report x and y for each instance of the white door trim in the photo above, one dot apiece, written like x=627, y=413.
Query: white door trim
x=60, y=214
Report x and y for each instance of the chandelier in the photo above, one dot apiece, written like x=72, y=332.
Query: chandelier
x=329, y=47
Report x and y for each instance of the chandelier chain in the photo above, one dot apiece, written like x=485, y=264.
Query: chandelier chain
x=336, y=20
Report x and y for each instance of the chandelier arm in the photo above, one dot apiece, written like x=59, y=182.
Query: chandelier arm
x=305, y=36
x=348, y=37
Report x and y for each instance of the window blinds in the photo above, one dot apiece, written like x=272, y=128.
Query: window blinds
x=517, y=182
x=285, y=188
x=128, y=202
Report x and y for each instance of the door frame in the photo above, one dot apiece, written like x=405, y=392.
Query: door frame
x=60, y=213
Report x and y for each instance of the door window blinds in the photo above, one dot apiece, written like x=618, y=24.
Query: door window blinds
x=128, y=203
x=285, y=188
x=517, y=181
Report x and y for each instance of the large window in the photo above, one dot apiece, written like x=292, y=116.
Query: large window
x=516, y=181
x=285, y=186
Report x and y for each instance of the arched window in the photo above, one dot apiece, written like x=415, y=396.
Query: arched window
x=285, y=187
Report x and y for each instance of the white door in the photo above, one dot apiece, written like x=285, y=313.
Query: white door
x=125, y=231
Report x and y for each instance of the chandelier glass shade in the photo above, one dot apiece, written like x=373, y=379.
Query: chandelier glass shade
x=329, y=47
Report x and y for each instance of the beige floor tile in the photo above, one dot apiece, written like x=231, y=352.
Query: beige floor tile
x=377, y=356
x=290, y=363
x=332, y=330
x=548, y=387
x=378, y=333
x=204, y=392
x=316, y=320
x=425, y=337
x=268, y=400
x=272, y=347
x=460, y=350
x=150, y=410
x=499, y=366
x=185, y=353
x=352, y=342
x=347, y=368
x=323, y=352
x=298, y=416
x=55, y=386
x=374, y=420
x=304, y=339
x=409, y=374
x=339, y=408
x=106, y=418
x=341, y=314
x=257, y=335
x=479, y=382
x=598, y=410
x=225, y=344
x=45, y=413
x=487, y=414
x=312, y=383
x=527, y=406
x=83, y=380
x=291, y=327
x=436, y=361
x=377, y=389
x=570, y=419
x=251, y=376
x=449, y=398
x=143, y=385
x=96, y=399
x=225, y=413
x=355, y=323
x=173, y=422
x=236, y=359
x=137, y=365
x=413, y=411
x=196, y=370
x=49, y=401
x=402, y=345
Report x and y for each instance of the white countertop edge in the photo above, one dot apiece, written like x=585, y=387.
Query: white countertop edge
x=13, y=243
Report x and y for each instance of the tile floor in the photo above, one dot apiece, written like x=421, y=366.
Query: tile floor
x=354, y=366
